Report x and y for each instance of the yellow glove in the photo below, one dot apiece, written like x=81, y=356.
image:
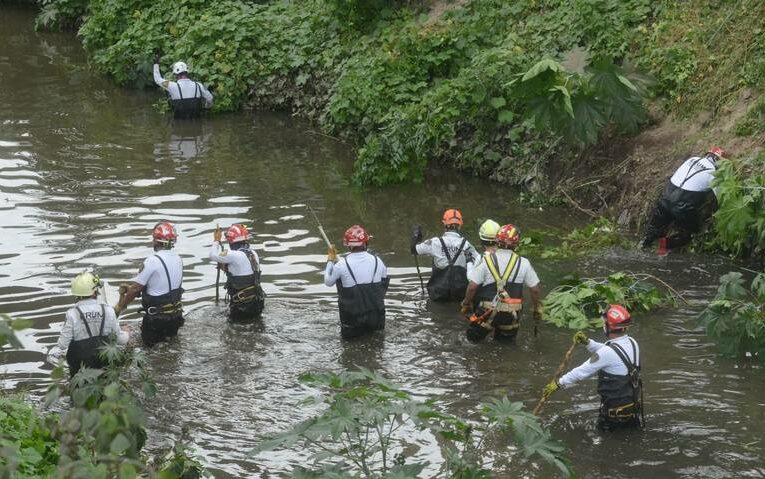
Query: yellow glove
x=551, y=387
x=332, y=254
x=580, y=338
x=217, y=234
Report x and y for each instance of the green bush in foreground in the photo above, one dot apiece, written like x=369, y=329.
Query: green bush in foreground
x=364, y=428
x=735, y=318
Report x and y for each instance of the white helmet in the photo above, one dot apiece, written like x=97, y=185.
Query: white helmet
x=85, y=284
x=180, y=67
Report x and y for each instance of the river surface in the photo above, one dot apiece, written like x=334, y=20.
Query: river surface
x=87, y=168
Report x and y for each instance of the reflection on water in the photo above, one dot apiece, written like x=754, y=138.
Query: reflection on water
x=86, y=169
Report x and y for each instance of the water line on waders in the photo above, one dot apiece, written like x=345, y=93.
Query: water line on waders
x=555, y=377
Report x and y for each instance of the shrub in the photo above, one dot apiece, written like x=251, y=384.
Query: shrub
x=735, y=318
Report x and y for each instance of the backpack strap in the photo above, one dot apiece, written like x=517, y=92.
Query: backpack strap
x=253, y=262
x=82, y=317
x=623, y=356
x=103, y=320
x=180, y=90
x=167, y=273
x=689, y=175
x=350, y=271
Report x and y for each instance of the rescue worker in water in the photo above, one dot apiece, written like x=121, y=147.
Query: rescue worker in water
x=159, y=282
x=617, y=362
x=88, y=326
x=495, y=291
x=362, y=281
x=451, y=254
x=687, y=201
x=188, y=98
x=242, y=268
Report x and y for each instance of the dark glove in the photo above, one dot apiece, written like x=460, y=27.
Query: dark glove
x=157, y=56
x=416, y=238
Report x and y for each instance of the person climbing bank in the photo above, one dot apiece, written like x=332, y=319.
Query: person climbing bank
x=187, y=98
x=451, y=254
x=617, y=362
x=362, y=281
x=88, y=326
x=687, y=201
x=495, y=291
x=159, y=282
x=242, y=267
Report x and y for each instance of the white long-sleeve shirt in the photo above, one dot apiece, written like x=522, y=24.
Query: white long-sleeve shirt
x=362, y=264
x=237, y=261
x=605, y=358
x=452, y=240
x=183, y=88
x=74, y=328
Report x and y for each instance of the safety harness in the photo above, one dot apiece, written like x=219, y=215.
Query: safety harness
x=173, y=306
x=502, y=302
x=252, y=292
x=628, y=411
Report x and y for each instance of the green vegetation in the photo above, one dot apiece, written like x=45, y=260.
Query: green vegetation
x=735, y=318
x=366, y=421
x=591, y=238
x=578, y=303
x=100, y=436
x=739, y=223
x=489, y=86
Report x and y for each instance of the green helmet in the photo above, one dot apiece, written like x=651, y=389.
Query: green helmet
x=85, y=284
x=488, y=230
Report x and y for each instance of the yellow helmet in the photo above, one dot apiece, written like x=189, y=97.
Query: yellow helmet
x=488, y=230
x=85, y=284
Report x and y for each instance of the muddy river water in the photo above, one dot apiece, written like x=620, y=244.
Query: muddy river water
x=86, y=169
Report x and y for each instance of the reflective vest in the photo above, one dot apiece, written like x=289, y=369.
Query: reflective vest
x=362, y=306
x=191, y=107
x=498, y=305
x=247, y=296
x=164, y=306
x=621, y=395
x=448, y=284
x=86, y=351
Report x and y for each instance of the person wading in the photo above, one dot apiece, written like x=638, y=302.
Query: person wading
x=362, y=281
x=495, y=291
x=88, y=326
x=687, y=201
x=451, y=254
x=242, y=267
x=187, y=98
x=160, y=284
x=617, y=362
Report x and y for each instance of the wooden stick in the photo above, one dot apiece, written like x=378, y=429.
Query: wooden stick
x=557, y=374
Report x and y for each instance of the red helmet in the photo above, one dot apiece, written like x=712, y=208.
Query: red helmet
x=452, y=217
x=617, y=317
x=509, y=236
x=355, y=236
x=164, y=233
x=718, y=152
x=237, y=233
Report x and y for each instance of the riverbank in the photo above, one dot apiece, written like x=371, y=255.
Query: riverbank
x=464, y=85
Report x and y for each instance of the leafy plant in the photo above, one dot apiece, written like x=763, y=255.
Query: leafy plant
x=366, y=420
x=578, y=303
x=27, y=446
x=739, y=222
x=735, y=318
x=591, y=238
